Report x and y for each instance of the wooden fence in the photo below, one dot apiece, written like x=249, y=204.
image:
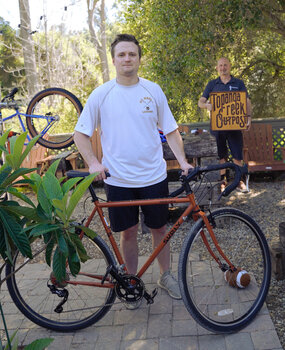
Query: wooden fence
x=278, y=130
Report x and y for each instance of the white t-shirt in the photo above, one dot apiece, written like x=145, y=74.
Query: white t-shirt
x=128, y=118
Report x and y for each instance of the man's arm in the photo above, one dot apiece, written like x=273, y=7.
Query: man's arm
x=175, y=142
x=249, y=112
x=84, y=146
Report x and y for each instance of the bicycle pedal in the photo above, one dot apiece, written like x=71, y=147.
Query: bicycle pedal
x=149, y=297
x=154, y=292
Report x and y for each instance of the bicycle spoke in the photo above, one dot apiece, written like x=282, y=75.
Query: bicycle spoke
x=85, y=304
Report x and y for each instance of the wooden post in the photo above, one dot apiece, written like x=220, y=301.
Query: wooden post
x=277, y=251
x=282, y=234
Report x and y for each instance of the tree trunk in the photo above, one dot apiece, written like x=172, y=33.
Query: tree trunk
x=28, y=47
x=100, y=47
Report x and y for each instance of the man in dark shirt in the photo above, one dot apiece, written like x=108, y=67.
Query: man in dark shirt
x=226, y=82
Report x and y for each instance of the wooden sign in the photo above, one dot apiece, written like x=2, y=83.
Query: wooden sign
x=228, y=110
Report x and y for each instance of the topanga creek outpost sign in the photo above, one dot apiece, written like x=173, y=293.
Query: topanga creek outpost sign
x=228, y=110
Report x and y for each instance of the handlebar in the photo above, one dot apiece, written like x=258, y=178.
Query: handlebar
x=239, y=172
x=75, y=173
x=10, y=103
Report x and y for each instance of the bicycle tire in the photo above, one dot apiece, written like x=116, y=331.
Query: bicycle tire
x=211, y=301
x=53, y=102
x=85, y=305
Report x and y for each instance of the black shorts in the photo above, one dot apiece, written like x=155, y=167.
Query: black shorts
x=122, y=218
x=233, y=139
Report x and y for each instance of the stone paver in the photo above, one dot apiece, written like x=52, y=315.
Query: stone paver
x=165, y=325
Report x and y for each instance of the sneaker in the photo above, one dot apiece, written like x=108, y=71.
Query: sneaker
x=133, y=305
x=242, y=187
x=169, y=283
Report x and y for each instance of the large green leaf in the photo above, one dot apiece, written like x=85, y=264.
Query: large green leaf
x=36, y=177
x=3, y=140
x=52, y=169
x=14, y=230
x=2, y=242
x=43, y=214
x=67, y=186
x=90, y=233
x=17, y=173
x=78, y=193
x=2, y=149
x=59, y=204
x=49, y=249
x=44, y=201
x=28, y=148
x=62, y=245
x=39, y=344
x=52, y=187
x=79, y=247
x=24, y=182
x=20, y=195
x=5, y=171
x=59, y=265
x=16, y=146
x=73, y=261
x=29, y=213
x=41, y=229
x=60, y=208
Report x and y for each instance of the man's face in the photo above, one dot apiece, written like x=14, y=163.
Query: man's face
x=223, y=67
x=126, y=58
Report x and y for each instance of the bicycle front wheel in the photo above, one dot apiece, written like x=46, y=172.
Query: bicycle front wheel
x=30, y=289
x=208, y=297
x=53, y=114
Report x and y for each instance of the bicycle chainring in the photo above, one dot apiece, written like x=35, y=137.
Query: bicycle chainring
x=134, y=292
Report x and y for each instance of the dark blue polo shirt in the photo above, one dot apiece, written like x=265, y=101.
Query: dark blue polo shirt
x=217, y=85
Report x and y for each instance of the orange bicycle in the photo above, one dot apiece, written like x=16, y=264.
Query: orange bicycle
x=224, y=267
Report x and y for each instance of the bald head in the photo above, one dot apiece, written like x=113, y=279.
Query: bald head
x=224, y=67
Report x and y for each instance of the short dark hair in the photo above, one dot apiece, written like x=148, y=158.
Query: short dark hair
x=125, y=37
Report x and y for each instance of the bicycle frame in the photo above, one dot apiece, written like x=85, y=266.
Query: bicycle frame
x=193, y=207
x=49, y=119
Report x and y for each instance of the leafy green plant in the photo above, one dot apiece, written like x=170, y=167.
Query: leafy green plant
x=52, y=220
x=49, y=220
x=38, y=344
x=11, y=235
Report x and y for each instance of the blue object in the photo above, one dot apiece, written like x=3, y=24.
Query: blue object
x=162, y=136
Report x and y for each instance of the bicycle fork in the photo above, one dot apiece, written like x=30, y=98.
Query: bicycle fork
x=210, y=225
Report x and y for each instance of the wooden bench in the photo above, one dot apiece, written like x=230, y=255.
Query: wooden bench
x=258, y=149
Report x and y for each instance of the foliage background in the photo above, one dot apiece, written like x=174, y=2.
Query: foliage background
x=181, y=42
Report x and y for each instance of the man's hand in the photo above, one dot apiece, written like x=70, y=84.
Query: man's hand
x=98, y=167
x=208, y=105
x=186, y=167
x=204, y=103
x=248, y=124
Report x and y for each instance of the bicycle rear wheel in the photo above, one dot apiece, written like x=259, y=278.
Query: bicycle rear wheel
x=211, y=301
x=85, y=304
x=53, y=113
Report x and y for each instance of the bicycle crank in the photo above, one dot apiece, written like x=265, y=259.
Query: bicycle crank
x=131, y=290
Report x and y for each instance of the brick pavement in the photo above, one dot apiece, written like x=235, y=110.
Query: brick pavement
x=165, y=325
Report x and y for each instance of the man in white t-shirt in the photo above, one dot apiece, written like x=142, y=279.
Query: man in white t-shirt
x=128, y=111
